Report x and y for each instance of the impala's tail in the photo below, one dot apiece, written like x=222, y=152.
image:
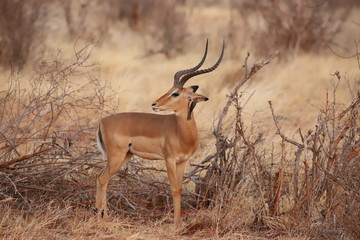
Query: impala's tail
x=100, y=143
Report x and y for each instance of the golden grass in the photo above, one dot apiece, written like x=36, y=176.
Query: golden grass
x=55, y=222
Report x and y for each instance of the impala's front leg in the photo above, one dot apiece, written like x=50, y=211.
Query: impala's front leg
x=175, y=173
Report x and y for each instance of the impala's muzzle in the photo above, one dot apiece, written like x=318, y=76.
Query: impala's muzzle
x=155, y=108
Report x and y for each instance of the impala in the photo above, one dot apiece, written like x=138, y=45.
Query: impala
x=172, y=138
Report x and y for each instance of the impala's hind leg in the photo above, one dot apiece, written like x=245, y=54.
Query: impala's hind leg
x=113, y=165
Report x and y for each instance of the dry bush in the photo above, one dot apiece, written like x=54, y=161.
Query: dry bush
x=335, y=3
x=88, y=19
x=163, y=22
x=308, y=186
x=325, y=183
x=75, y=15
x=166, y=26
x=47, y=127
x=292, y=26
x=221, y=185
x=18, y=28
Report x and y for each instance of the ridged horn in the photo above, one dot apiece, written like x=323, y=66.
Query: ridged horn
x=198, y=72
x=185, y=71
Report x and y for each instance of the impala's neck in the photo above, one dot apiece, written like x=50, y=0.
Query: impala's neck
x=187, y=128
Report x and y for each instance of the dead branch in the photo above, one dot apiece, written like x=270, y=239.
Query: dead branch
x=19, y=159
x=279, y=130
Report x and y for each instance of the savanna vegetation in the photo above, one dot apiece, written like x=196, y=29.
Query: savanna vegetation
x=279, y=154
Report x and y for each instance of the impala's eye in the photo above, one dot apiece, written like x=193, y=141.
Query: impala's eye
x=175, y=94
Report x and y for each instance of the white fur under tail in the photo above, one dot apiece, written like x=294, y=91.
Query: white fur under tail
x=99, y=144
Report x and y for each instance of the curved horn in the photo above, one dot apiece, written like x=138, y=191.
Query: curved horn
x=185, y=71
x=193, y=74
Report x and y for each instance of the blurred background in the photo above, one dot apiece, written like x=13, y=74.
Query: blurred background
x=138, y=46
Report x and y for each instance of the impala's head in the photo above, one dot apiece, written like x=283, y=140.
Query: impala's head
x=180, y=98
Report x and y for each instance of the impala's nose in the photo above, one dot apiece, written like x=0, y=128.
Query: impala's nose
x=156, y=109
x=206, y=98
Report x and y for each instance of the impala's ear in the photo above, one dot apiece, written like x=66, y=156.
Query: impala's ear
x=193, y=101
x=199, y=98
x=194, y=88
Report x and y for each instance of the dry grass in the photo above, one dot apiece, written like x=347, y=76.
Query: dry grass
x=130, y=72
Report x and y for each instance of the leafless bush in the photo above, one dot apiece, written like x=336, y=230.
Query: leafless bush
x=235, y=160
x=88, y=19
x=335, y=3
x=309, y=186
x=18, y=28
x=326, y=189
x=167, y=26
x=163, y=21
x=47, y=128
x=295, y=26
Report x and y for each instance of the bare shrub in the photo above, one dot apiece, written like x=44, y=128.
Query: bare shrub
x=163, y=22
x=326, y=189
x=172, y=27
x=296, y=26
x=88, y=19
x=47, y=126
x=308, y=186
x=168, y=26
x=18, y=28
x=235, y=160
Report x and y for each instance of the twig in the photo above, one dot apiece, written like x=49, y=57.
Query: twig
x=19, y=159
x=279, y=130
x=16, y=190
x=357, y=53
x=247, y=75
x=352, y=106
x=10, y=143
x=195, y=169
x=9, y=199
